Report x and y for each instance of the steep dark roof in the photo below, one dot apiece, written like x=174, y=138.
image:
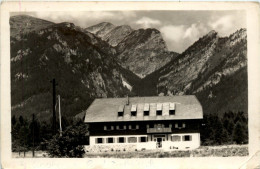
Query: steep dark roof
x=106, y=109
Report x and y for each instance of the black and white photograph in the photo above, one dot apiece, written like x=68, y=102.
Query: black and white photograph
x=126, y=84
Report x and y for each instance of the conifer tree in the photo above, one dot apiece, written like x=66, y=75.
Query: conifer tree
x=239, y=133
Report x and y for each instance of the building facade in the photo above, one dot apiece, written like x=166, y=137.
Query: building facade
x=138, y=123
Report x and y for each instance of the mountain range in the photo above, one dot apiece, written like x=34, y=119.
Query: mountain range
x=105, y=60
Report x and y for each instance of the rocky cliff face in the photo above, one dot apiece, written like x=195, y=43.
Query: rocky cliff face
x=213, y=68
x=116, y=35
x=205, y=62
x=83, y=65
x=142, y=51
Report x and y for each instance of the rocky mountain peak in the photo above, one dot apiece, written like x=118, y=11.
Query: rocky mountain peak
x=212, y=33
x=239, y=34
x=101, y=29
x=143, y=47
x=117, y=34
x=22, y=24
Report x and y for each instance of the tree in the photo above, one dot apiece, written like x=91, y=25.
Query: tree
x=70, y=144
x=13, y=120
x=239, y=134
x=21, y=120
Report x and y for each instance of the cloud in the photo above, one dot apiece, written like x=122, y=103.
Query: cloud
x=223, y=25
x=179, y=37
x=173, y=32
x=147, y=22
x=195, y=31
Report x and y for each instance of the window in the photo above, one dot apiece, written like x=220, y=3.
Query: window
x=121, y=139
x=187, y=138
x=121, y=110
x=110, y=140
x=176, y=125
x=159, y=109
x=109, y=128
x=176, y=138
x=120, y=114
x=159, y=112
x=99, y=140
x=133, y=113
x=132, y=139
x=143, y=139
x=146, y=109
x=132, y=127
x=172, y=109
x=121, y=127
x=172, y=112
x=146, y=113
x=133, y=110
x=147, y=126
x=166, y=125
x=180, y=125
x=105, y=127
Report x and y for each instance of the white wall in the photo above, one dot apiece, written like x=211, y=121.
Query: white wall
x=167, y=145
x=183, y=145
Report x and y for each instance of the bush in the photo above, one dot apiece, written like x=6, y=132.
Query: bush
x=70, y=144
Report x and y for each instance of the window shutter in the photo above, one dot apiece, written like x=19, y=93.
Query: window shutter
x=162, y=125
x=176, y=125
x=105, y=127
x=183, y=138
x=183, y=125
x=147, y=126
x=124, y=127
x=117, y=139
x=117, y=127
x=113, y=139
x=190, y=137
x=170, y=125
x=96, y=140
x=137, y=126
x=106, y=140
x=139, y=139
x=130, y=127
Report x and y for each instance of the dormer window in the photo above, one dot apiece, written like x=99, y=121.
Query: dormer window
x=133, y=110
x=146, y=109
x=159, y=109
x=133, y=113
x=172, y=109
x=120, y=112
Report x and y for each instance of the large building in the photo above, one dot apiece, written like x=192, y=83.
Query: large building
x=138, y=123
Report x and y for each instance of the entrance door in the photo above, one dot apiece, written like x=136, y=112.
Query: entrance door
x=159, y=142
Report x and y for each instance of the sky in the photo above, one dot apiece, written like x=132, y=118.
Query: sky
x=179, y=29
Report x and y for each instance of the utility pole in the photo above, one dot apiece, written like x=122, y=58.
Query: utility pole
x=33, y=133
x=60, y=115
x=53, y=106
